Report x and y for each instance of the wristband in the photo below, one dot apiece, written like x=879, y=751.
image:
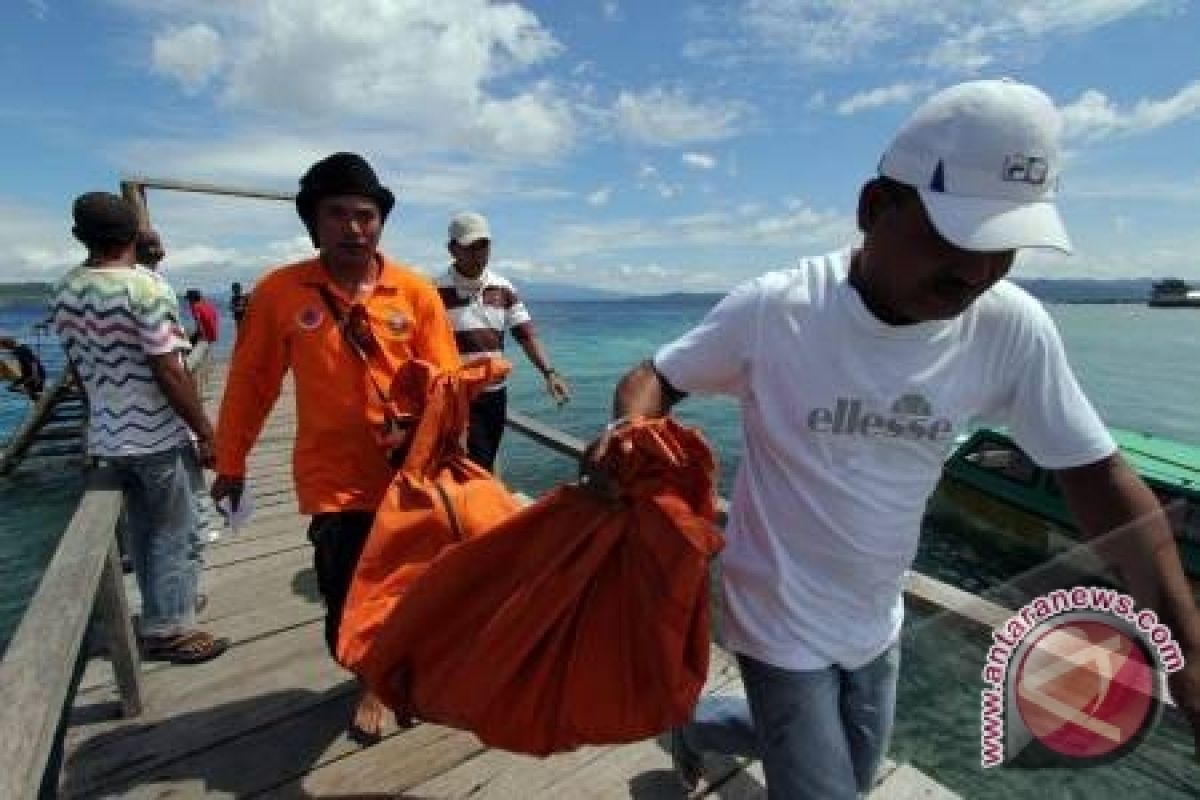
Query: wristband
x=619, y=422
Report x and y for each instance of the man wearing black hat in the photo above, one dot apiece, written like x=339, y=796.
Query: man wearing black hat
x=343, y=323
x=120, y=328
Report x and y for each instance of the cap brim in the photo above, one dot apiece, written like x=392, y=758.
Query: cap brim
x=990, y=225
x=471, y=238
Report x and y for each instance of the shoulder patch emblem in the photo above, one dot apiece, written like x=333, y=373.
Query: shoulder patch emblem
x=310, y=319
x=398, y=323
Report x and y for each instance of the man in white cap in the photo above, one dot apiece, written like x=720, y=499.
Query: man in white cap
x=855, y=372
x=482, y=305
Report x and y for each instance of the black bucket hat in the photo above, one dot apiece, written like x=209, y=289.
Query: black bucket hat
x=340, y=173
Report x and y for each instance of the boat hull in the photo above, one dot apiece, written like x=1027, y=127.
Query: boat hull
x=1020, y=503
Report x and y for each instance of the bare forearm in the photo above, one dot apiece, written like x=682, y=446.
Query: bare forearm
x=641, y=393
x=180, y=390
x=1128, y=528
x=535, y=354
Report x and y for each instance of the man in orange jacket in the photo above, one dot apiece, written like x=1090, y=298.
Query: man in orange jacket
x=344, y=323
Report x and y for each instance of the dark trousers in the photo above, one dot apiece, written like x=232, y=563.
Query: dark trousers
x=487, y=426
x=338, y=540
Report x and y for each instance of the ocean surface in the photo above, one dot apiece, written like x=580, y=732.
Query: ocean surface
x=1141, y=367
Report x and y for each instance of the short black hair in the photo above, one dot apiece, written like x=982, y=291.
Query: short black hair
x=104, y=220
x=901, y=192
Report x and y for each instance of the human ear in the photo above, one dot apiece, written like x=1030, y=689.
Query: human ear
x=873, y=201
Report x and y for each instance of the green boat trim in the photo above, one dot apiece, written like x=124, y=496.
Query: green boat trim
x=990, y=462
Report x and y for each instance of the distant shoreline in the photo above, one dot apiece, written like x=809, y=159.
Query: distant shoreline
x=1128, y=291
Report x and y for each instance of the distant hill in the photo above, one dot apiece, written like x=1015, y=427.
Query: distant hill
x=25, y=291
x=1048, y=290
x=14, y=295
x=1123, y=290
x=539, y=291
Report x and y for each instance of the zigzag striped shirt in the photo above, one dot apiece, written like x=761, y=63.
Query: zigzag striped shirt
x=110, y=320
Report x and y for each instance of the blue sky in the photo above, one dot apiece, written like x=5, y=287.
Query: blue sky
x=648, y=146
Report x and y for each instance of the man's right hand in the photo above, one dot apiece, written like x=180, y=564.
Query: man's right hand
x=228, y=486
x=594, y=475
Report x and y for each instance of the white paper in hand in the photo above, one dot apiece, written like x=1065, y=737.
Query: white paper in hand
x=237, y=518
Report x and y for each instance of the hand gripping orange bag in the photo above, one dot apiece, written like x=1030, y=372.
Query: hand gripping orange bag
x=438, y=498
x=578, y=621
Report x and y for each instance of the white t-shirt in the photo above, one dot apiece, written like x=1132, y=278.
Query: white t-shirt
x=847, y=421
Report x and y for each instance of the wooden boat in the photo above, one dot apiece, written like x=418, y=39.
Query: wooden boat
x=990, y=484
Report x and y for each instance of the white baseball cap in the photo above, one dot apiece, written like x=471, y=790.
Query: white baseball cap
x=984, y=156
x=469, y=227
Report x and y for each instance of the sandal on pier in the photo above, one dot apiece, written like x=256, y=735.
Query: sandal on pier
x=190, y=647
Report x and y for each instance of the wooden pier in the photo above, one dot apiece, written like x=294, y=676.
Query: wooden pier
x=53, y=427
x=268, y=718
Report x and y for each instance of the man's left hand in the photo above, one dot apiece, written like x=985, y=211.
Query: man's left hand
x=557, y=388
x=205, y=453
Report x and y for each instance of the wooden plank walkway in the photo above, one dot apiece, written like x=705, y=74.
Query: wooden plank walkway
x=268, y=718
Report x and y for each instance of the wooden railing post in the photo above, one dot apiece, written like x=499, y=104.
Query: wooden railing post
x=116, y=628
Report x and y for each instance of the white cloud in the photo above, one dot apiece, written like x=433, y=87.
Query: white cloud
x=191, y=55
x=35, y=246
x=1094, y=116
x=896, y=94
x=600, y=197
x=1180, y=190
x=699, y=160
x=39, y=8
x=611, y=10
x=269, y=159
x=665, y=117
x=1131, y=257
x=801, y=226
x=432, y=73
x=528, y=268
x=265, y=158
x=957, y=35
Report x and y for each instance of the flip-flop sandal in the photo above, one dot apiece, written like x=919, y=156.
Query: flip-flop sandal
x=192, y=647
x=363, y=738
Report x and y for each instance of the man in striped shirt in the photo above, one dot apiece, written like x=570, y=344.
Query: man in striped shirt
x=120, y=328
x=482, y=305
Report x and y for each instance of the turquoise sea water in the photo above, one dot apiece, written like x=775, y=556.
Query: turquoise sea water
x=1141, y=367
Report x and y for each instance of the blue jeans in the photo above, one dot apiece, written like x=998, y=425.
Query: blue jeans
x=820, y=734
x=161, y=530
x=201, y=503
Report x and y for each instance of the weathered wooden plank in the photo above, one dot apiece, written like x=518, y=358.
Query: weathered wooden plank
x=112, y=612
x=37, y=668
x=276, y=536
x=939, y=596
x=906, y=782
x=496, y=774
x=254, y=684
x=750, y=783
x=271, y=761
x=138, y=184
x=240, y=612
x=386, y=770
